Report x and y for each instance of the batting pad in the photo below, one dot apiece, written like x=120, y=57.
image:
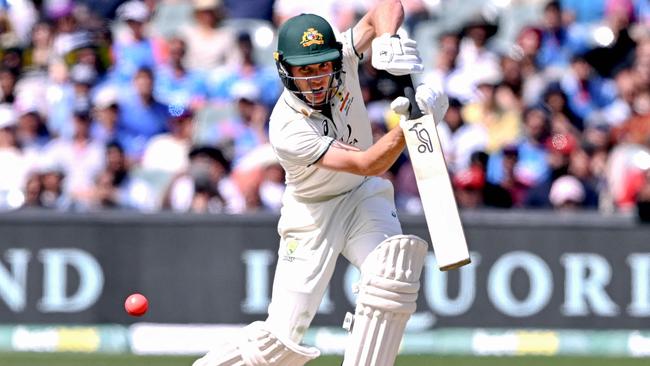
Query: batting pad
x=257, y=346
x=390, y=280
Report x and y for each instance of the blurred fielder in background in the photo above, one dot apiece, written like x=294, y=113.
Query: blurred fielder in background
x=335, y=202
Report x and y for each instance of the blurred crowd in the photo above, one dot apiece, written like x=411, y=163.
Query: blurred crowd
x=164, y=104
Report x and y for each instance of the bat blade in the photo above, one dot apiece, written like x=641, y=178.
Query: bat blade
x=438, y=202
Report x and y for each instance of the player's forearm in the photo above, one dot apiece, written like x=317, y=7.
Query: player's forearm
x=383, y=154
x=374, y=161
x=385, y=17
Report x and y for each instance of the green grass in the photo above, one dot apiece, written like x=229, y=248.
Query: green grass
x=69, y=359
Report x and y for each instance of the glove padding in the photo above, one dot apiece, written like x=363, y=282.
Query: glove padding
x=396, y=55
x=431, y=101
x=400, y=106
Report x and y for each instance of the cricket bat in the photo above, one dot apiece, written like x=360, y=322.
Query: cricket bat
x=434, y=185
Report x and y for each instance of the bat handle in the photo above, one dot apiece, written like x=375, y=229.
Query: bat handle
x=414, y=110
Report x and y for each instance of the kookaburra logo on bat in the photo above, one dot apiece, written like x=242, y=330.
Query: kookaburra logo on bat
x=423, y=136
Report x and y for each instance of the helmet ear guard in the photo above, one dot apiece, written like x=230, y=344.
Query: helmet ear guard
x=283, y=71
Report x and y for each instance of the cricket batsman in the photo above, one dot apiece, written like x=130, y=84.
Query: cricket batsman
x=335, y=202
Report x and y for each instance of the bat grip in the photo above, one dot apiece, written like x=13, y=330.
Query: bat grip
x=414, y=109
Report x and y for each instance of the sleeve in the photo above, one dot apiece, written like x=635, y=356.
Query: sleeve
x=300, y=143
x=350, y=54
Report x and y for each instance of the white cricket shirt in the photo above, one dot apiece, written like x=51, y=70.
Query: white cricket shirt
x=300, y=135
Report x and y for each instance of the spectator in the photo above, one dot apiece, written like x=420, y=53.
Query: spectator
x=104, y=194
x=130, y=191
x=136, y=50
x=511, y=189
x=635, y=130
x=441, y=75
x=58, y=99
x=88, y=52
x=53, y=195
x=33, y=191
x=615, y=53
x=560, y=147
x=141, y=115
x=7, y=85
x=260, y=179
x=13, y=167
x=12, y=59
x=557, y=43
x=169, y=151
x=582, y=11
x=31, y=132
x=459, y=139
x=587, y=92
x=83, y=78
x=80, y=159
x=247, y=130
x=533, y=78
x=468, y=187
x=500, y=118
x=272, y=187
x=208, y=30
x=472, y=183
x=104, y=128
x=641, y=63
x=174, y=84
x=580, y=167
x=16, y=20
x=531, y=156
x=567, y=193
x=556, y=102
x=512, y=74
x=69, y=92
x=415, y=11
x=205, y=186
x=622, y=107
x=222, y=82
x=475, y=59
x=66, y=27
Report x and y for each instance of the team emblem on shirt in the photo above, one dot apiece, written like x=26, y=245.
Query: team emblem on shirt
x=291, y=247
x=310, y=37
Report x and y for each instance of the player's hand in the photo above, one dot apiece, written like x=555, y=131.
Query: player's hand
x=398, y=56
x=432, y=101
x=400, y=106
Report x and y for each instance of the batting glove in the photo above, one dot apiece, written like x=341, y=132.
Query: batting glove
x=400, y=106
x=431, y=101
x=396, y=55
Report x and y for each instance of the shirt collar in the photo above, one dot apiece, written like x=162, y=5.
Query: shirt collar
x=298, y=104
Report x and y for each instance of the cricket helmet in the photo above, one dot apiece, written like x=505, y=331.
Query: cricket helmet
x=308, y=39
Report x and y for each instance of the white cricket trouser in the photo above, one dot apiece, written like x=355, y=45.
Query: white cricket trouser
x=312, y=235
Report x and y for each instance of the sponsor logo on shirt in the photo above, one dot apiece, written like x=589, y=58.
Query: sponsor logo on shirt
x=345, y=102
